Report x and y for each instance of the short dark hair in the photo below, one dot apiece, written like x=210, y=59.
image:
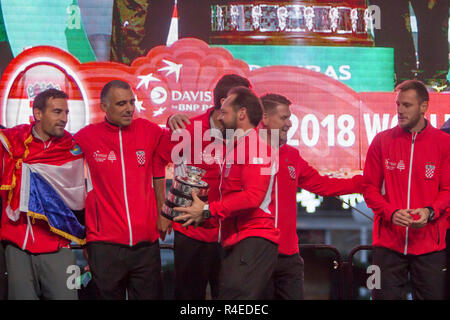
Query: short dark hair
x=40, y=102
x=416, y=85
x=270, y=101
x=113, y=84
x=246, y=98
x=224, y=85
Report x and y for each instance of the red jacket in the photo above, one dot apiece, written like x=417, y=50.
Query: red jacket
x=121, y=205
x=246, y=192
x=294, y=172
x=202, y=123
x=35, y=237
x=408, y=171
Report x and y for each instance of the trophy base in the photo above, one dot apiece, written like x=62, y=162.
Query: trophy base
x=167, y=216
x=168, y=212
x=171, y=218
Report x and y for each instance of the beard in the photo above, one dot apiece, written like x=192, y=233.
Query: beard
x=56, y=132
x=232, y=125
x=411, y=123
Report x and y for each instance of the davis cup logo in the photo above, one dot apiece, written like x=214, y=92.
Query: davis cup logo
x=140, y=157
x=158, y=95
x=429, y=171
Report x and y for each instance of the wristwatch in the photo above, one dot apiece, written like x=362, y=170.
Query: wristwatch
x=431, y=216
x=206, y=213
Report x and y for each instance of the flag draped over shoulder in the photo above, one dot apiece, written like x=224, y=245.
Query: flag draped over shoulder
x=45, y=184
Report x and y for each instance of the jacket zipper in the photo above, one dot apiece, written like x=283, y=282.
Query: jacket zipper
x=221, y=166
x=379, y=227
x=98, y=220
x=439, y=235
x=25, y=240
x=414, y=135
x=125, y=187
x=276, y=202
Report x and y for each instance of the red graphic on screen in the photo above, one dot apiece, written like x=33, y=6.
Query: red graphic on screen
x=332, y=124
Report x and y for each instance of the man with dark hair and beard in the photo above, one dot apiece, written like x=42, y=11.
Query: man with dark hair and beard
x=40, y=162
x=199, y=248
x=248, y=232
x=406, y=183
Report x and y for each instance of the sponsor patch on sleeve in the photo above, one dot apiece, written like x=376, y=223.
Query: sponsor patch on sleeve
x=76, y=150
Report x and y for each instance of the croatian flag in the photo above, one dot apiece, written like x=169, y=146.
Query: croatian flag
x=45, y=184
x=52, y=193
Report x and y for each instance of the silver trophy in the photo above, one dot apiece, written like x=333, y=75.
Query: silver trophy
x=180, y=194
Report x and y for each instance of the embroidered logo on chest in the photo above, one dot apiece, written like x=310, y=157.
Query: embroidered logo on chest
x=140, y=157
x=429, y=170
x=99, y=157
x=389, y=164
x=112, y=156
x=292, y=173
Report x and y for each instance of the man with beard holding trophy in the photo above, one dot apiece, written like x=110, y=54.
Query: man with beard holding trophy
x=248, y=232
x=199, y=248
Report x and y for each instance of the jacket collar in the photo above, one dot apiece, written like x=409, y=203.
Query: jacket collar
x=32, y=131
x=421, y=133
x=115, y=127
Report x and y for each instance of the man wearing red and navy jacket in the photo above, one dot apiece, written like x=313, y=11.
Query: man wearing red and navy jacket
x=293, y=172
x=199, y=248
x=407, y=185
x=121, y=210
x=39, y=162
x=248, y=231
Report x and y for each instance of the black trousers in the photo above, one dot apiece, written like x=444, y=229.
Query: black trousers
x=432, y=33
x=3, y=276
x=247, y=269
x=118, y=270
x=288, y=278
x=197, y=263
x=427, y=275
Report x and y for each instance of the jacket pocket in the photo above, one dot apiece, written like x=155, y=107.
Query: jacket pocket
x=379, y=227
x=438, y=233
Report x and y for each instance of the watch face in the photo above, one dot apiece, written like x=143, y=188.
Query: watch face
x=206, y=214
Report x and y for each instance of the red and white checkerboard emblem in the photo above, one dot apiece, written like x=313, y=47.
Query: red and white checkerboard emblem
x=140, y=157
x=429, y=171
x=291, y=172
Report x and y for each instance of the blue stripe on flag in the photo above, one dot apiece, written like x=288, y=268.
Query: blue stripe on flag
x=45, y=200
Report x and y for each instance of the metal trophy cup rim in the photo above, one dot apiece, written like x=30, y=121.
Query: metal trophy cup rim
x=194, y=173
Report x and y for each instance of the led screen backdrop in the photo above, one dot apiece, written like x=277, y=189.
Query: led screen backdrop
x=322, y=55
